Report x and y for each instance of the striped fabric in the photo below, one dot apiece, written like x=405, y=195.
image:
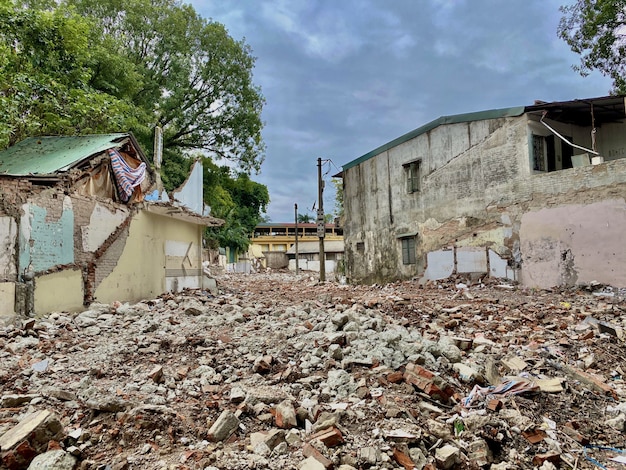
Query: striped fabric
x=128, y=178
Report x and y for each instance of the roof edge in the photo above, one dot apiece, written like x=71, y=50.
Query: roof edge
x=452, y=119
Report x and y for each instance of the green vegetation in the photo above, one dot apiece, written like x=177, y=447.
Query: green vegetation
x=596, y=30
x=94, y=66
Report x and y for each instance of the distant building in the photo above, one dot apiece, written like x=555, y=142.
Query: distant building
x=273, y=244
x=533, y=193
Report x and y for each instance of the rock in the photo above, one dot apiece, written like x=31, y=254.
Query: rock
x=53, y=460
x=447, y=456
x=286, y=415
x=14, y=400
x=225, y=425
x=20, y=444
x=311, y=463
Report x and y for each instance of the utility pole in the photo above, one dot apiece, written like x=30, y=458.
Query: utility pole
x=321, y=226
x=295, y=206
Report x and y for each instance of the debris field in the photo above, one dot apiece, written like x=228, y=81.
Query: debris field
x=280, y=371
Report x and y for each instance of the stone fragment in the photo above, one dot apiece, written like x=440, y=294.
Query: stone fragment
x=156, y=374
x=285, y=415
x=14, y=400
x=466, y=373
x=480, y=453
x=20, y=444
x=368, y=456
x=237, y=395
x=311, y=463
x=262, y=364
x=225, y=425
x=59, y=394
x=447, y=456
x=53, y=460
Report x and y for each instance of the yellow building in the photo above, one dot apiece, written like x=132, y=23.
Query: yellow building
x=278, y=238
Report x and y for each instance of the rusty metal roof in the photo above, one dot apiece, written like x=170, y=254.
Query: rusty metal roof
x=54, y=154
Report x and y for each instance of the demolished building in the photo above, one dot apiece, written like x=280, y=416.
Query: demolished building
x=82, y=220
x=532, y=193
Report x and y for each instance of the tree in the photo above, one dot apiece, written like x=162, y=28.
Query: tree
x=195, y=81
x=596, y=29
x=45, y=73
x=338, y=183
x=304, y=218
x=235, y=198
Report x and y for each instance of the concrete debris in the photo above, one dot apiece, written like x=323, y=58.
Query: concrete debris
x=280, y=371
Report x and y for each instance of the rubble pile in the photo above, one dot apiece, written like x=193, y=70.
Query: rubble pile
x=279, y=371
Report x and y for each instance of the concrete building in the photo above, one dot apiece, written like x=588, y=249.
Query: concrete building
x=533, y=193
x=273, y=244
x=81, y=220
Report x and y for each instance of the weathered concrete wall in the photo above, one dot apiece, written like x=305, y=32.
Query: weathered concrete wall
x=574, y=244
x=476, y=185
x=59, y=291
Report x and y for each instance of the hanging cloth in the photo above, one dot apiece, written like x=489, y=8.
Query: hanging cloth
x=127, y=177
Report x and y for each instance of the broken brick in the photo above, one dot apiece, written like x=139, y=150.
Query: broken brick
x=309, y=451
x=330, y=437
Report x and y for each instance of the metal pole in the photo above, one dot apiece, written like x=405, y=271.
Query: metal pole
x=296, y=216
x=321, y=226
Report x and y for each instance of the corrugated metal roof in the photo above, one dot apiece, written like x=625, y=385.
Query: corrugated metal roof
x=52, y=154
x=457, y=118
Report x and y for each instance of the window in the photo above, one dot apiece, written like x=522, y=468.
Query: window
x=412, y=171
x=550, y=153
x=408, y=250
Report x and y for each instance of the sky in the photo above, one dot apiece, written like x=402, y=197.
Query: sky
x=343, y=77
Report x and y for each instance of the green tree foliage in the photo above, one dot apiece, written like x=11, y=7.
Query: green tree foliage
x=193, y=79
x=96, y=66
x=45, y=73
x=338, y=183
x=596, y=29
x=235, y=198
x=304, y=218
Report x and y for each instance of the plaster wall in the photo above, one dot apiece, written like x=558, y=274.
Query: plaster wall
x=8, y=237
x=575, y=244
x=140, y=269
x=103, y=221
x=190, y=194
x=7, y=302
x=59, y=291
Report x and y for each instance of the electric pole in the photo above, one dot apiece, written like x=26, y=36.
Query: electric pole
x=295, y=206
x=321, y=226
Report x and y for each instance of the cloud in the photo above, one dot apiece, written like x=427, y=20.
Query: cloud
x=344, y=77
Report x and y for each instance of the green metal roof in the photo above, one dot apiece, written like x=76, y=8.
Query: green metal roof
x=454, y=119
x=50, y=155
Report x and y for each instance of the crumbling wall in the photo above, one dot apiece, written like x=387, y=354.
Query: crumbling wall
x=158, y=253
x=476, y=188
x=46, y=233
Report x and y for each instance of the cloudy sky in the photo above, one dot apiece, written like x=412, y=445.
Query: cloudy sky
x=342, y=77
